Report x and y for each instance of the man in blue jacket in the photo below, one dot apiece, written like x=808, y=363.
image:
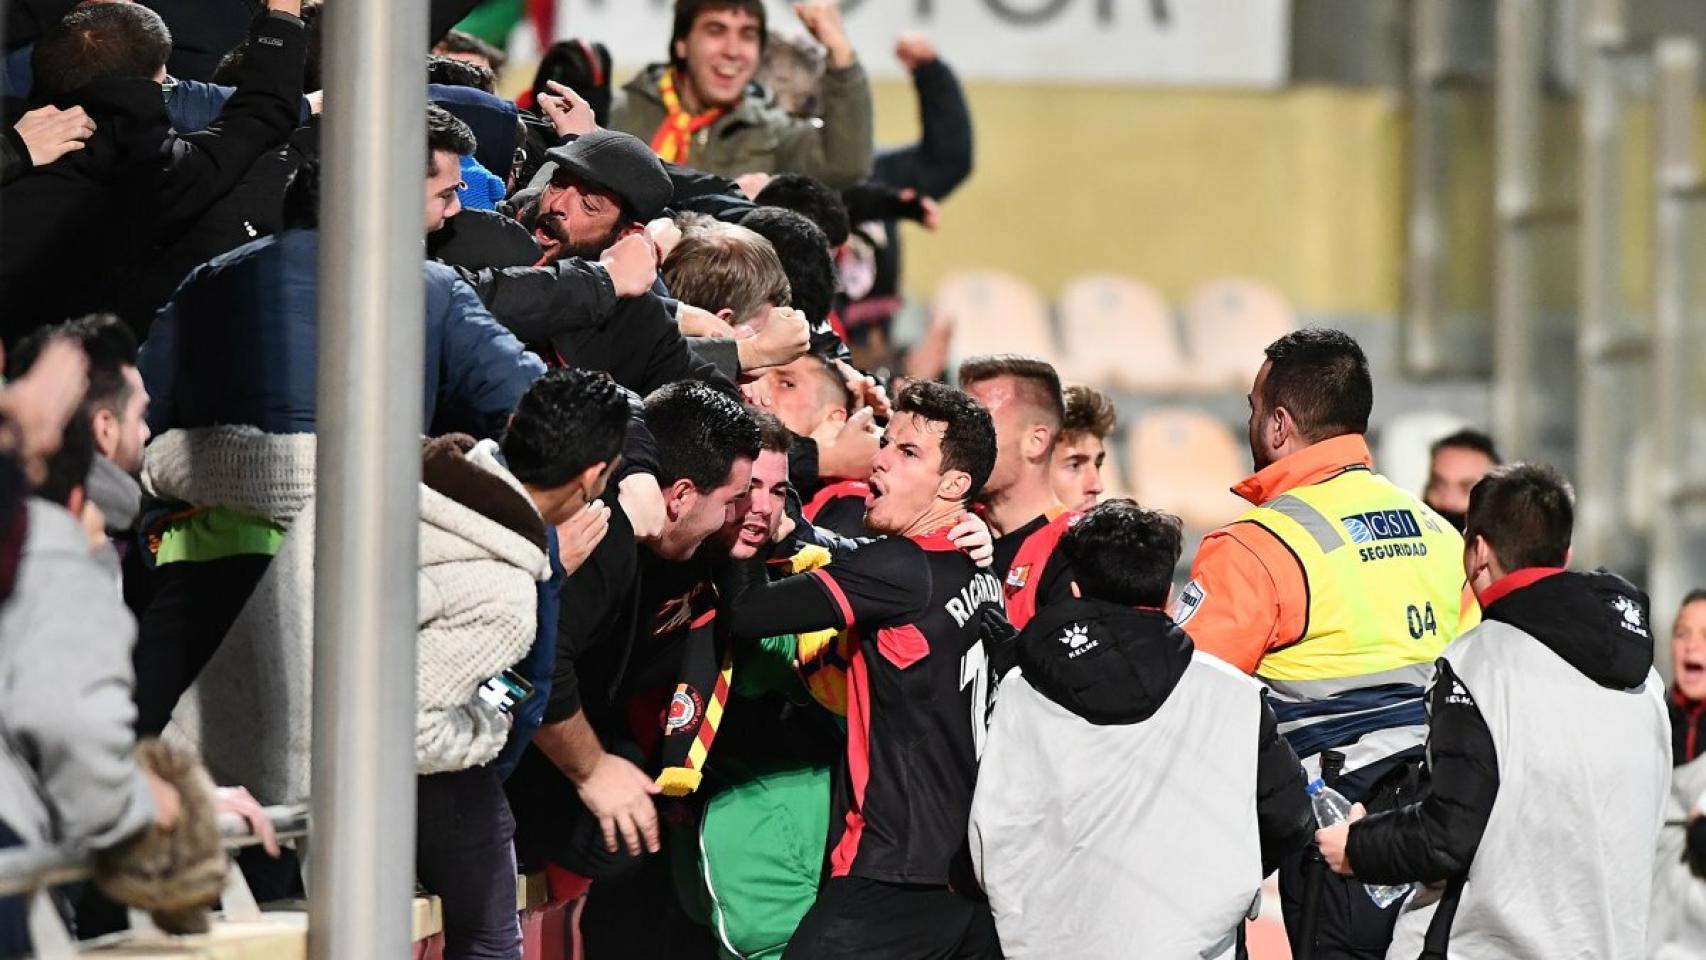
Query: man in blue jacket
x=237, y=345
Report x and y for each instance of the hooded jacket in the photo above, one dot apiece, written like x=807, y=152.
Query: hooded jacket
x=758, y=136
x=1549, y=755
x=1132, y=791
x=482, y=554
x=80, y=233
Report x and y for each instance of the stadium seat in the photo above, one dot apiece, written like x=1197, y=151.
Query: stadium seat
x=1227, y=323
x=1185, y=461
x=1118, y=332
x=994, y=313
x=1402, y=452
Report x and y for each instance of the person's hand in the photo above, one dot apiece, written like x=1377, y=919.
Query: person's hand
x=664, y=235
x=757, y=393
x=928, y=358
x=972, y=535
x=866, y=390
x=239, y=801
x=785, y=527
x=823, y=21
x=50, y=133
x=785, y=337
x=1333, y=840
x=632, y=265
x=914, y=50
x=642, y=501
x=848, y=451
x=94, y=526
x=316, y=101
x=620, y=795
x=292, y=7
x=579, y=535
x=168, y=806
x=699, y=322
x=752, y=184
x=567, y=110
x=40, y=403
x=932, y=219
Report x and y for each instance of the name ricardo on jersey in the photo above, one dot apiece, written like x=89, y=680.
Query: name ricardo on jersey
x=1377, y=525
x=981, y=589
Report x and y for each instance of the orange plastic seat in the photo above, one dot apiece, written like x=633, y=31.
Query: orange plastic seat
x=995, y=312
x=1118, y=332
x=1228, y=322
x=1185, y=461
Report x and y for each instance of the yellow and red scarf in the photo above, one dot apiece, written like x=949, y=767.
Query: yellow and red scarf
x=674, y=139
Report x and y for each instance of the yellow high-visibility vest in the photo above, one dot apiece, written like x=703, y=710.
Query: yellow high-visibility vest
x=1385, y=579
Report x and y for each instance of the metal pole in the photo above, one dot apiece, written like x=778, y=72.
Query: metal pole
x=1679, y=535
x=1604, y=343
x=1425, y=234
x=372, y=301
x=1518, y=410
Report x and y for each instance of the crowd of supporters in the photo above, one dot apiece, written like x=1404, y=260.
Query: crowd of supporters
x=755, y=643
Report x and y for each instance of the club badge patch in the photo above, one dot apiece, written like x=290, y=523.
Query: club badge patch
x=685, y=709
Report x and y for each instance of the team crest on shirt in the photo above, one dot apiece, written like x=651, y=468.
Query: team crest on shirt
x=685, y=709
x=1018, y=576
x=1188, y=603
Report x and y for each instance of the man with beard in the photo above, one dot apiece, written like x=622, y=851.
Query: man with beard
x=1023, y=396
x=1338, y=591
x=1455, y=464
x=918, y=691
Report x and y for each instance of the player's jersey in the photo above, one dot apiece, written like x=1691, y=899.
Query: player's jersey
x=1033, y=573
x=919, y=692
x=840, y=508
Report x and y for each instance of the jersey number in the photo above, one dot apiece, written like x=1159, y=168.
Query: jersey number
x=1421, y=620
x=974, y=673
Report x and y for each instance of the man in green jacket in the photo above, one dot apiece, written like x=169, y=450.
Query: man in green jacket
x=702, y=109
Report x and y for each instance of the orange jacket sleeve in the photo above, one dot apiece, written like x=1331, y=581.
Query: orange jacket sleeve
x=1246, y=596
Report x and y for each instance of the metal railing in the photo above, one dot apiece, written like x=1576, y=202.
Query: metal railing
x=34, y=871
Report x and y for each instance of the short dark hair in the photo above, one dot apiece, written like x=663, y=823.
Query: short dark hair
x=96, y=42
x=700, y=431
x=446, y=131
x=457, y=41
x=1321, y=378
x=110, y=347
x=451, y=72
x=567, y=421
x=1123, y=553
x=810, y=198
x=968, y=442
x=583, y=67
x=1694, y=596
x=772, y=436
x=687, y=11
x=805, y=256
x=68, y=468
x=1039, y=382
x=825, y=369
x=1089, y=412
x=1467, y=439
x=1525, y=512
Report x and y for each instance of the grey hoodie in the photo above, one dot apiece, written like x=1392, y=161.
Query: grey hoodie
x=68, y=772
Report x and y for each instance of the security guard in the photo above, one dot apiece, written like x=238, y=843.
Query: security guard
x=1337, y=590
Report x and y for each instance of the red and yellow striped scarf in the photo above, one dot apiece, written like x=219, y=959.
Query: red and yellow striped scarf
x=674, y=139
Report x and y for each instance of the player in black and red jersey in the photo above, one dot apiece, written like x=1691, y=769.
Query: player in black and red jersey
x=919, y=691
x=1023, y=396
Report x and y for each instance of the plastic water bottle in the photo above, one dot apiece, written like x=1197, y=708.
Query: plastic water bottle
x=1331, y=807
